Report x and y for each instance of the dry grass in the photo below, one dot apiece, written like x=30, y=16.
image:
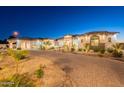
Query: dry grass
x=54, y=76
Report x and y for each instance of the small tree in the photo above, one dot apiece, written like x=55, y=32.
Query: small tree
x=17, y=55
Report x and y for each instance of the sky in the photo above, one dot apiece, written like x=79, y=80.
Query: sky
x=55, y=22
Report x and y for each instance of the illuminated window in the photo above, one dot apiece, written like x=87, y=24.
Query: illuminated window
x=94, y=41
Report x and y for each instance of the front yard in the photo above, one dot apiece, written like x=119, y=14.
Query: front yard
x=55, y=68
x=27, y=76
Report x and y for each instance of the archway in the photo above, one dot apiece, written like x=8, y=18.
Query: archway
x=94, y=40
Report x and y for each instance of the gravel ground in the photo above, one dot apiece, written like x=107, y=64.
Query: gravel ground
x=53, y=75
x=86, y=71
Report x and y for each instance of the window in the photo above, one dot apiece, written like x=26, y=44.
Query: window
x=109, y=39
x=94, y=40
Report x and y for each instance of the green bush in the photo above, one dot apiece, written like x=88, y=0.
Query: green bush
x=39, y=72
x=102, y=51
x=117, y=54
x=52, y=48
x=109, y=50
x=18, y=48
x=80, y=49
x=98, y=49
x=42, y=47
x=17, y=80
x=17, y=54
x=72, y=49
x=95, y=48
x=86, y=48
x=10, y=52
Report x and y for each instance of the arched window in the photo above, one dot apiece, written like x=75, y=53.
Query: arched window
x=94, y=40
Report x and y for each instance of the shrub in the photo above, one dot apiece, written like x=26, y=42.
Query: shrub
x=10, y=52
x=117, y=54
x=42, y=47
x=17, y=55
x=17, y=80
x=72, y=49
x=80, y=49
x=52, y=48
x=102, y=51
x=18, y=48
x=95, y=48
x=39, y=72
x=109, y=50
x=98, y=49
x=86, y=48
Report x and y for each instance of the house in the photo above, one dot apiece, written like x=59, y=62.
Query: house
x=103, y=39
x=29, y=43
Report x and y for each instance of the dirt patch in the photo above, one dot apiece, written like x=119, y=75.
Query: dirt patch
x=53, y=76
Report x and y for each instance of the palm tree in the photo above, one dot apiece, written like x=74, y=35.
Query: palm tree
x=47, y=44
x=118, y=47
x=117, y=50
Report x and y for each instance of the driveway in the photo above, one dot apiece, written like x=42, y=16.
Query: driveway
x=86, y=70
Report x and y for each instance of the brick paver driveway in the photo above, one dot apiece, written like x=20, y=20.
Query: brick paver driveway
x=87, y=70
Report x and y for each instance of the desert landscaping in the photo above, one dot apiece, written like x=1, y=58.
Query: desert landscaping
x=48, y=68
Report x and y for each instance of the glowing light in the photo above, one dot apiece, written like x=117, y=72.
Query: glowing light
x=15, y=33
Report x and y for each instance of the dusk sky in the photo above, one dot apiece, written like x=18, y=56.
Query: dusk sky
x=54, y=22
